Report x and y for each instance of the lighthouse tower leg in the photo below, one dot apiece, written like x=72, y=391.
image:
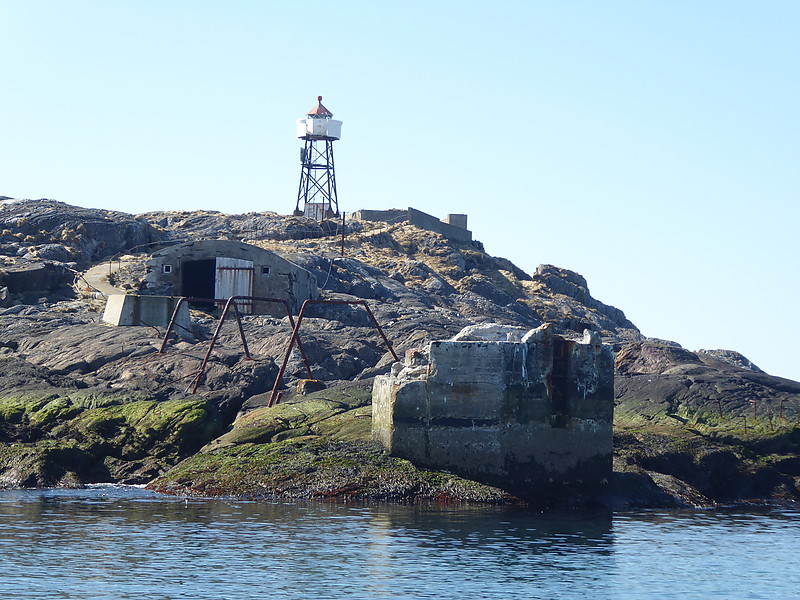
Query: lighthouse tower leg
x=317, y=190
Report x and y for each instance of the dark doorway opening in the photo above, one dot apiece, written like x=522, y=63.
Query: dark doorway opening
x=197, y=281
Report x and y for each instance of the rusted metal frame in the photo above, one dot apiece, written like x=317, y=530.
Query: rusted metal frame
x=201, y=371
x=231, y=302
x=171, y=324
x=296, y=338
x=184, y=299
x=378, y=327
x=291, y=323
x=282, y=370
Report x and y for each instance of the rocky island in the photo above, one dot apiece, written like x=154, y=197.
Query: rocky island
x=82, y=401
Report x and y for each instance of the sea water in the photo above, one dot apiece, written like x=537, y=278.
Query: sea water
x=123, y=542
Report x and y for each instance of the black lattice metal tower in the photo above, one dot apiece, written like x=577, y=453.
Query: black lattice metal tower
x=316, y=196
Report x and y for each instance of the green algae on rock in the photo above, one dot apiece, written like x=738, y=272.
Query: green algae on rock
x=316, y=467
x=317, y=446
x=77, y=438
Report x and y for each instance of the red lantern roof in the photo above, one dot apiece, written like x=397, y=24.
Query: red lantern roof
x=319, y=110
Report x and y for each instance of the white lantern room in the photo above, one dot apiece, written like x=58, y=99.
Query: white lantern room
x=318, y=124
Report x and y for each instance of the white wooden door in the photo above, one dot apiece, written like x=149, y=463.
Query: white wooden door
x=234, y=278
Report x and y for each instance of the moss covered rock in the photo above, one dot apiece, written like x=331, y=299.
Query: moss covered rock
x=316, y=467
x=83, y=437
x=317, y=446
x=699, y=458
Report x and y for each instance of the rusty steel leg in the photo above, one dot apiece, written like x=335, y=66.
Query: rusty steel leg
x=299, y=342
x=174, y=317
x=378, y=327
x=295, y=338
x=214, y=337
x=282, y=370
x=291, y=323
x=241, y=329
x=369, y=313
x=304, y=357
x=227, y=305
x=171, y=324
x=274, y=396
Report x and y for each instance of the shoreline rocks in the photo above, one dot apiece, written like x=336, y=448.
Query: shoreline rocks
x=81, y=401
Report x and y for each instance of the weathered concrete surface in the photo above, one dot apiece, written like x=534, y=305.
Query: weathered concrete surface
x=453, y=227
x=270, y=276
x=147, y=311
x=490, y=332
x=521, y=415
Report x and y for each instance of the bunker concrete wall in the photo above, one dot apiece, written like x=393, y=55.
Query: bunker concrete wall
x=487, y=410
x=381, y=216
x=273, y=276
x=132, y=310
x=451, y=230
x=431, y=223
x=456, y=220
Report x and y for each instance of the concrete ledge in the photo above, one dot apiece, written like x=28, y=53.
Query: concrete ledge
x=155, y=311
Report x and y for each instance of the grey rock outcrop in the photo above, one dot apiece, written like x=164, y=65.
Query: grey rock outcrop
x=732, y=357
x=27, y=277
x=656, y=379
x=84, y=234
x=422, y=287
x=572, y=285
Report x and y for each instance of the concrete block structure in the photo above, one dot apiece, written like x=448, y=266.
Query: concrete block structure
x=152, y=311
x=454, y=227
x=221, y=269
x=526, y=416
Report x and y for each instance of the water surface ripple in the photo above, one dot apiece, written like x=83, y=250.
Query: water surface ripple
x=121, y=542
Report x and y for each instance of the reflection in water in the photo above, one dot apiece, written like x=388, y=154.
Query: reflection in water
x=486, y=552
x=117, y=542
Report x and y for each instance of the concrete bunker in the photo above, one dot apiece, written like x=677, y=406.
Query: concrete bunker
x=453, y=227
x=527, y=412
x=221, y=269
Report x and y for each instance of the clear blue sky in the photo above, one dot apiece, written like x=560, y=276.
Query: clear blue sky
x=650, y=146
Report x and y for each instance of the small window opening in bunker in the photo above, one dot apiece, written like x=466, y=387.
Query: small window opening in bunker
x=197, y=281
x=166, y=269
x=265, y=270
